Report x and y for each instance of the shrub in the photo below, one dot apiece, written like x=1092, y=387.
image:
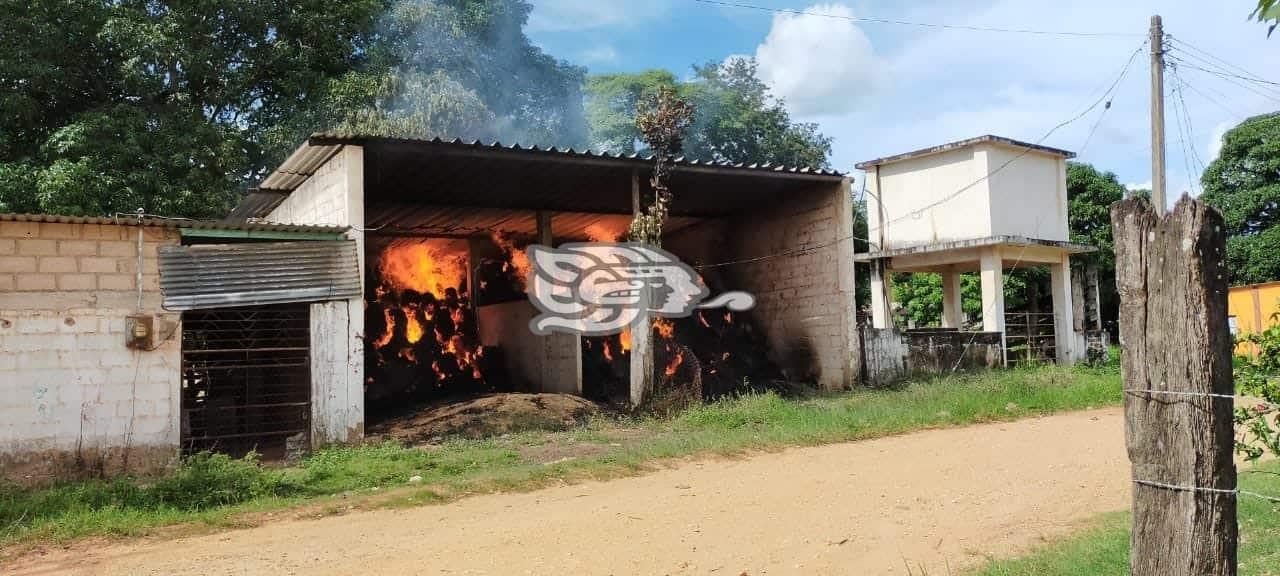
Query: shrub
x=208, y=480
x=1259, y=376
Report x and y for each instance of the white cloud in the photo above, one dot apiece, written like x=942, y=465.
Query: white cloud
x=572, y=15
x=1133, y=186
x=819, y=65
x=952, y=84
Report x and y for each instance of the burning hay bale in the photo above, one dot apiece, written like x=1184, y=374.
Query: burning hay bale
x=709, y=355
x=423, y=341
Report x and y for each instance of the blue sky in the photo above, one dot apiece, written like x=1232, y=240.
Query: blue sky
x=880, y=89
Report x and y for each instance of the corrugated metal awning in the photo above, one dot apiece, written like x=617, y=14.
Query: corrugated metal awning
x=226, y=275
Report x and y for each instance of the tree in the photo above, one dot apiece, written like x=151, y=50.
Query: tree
x=1244, y=184
x=114, y=105
x=176, y=107
x=663, y=121
x=738, y=120
x=1090, y=194
x=1268, y=11
x=920, y=295
x=481, y=45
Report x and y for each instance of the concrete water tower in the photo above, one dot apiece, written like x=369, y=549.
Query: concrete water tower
x=978, y=205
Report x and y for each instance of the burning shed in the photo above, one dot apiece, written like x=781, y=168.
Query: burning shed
x=441, y=229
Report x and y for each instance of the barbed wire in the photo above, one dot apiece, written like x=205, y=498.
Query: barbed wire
x=1220, y=491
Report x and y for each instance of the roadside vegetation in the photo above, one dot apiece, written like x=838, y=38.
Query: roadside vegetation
x=217, y=491
x=1103, y=548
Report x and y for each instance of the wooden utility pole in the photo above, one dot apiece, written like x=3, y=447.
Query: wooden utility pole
x=1157, y=114
x=1170, y=273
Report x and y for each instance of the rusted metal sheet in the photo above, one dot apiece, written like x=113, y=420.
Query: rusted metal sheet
x=231, y=275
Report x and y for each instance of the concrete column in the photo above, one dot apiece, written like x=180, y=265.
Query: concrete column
x=561, y=353
x=952, y=311
x=1094, y=293
x=992, y=290
x=881, y=295
x=1064, y=327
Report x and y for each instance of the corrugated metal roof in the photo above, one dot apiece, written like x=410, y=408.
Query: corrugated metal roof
x=255, y=203
x=405, y=218
x=988, y=138
x=228, y=275
x=321, y=146
x=174, y=223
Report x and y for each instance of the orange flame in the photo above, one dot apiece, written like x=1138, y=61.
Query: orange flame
x=413, y=328
x=426, y=267
x=625, y=339
x=418, y=265
x=675, y=362
x=665, y=329
x=598, y=232
x=385, y=338
x=703, y=320
x=608, y=351
x=519, y=258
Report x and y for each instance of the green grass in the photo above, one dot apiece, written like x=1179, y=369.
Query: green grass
x=1103, y=548
x=219, y=491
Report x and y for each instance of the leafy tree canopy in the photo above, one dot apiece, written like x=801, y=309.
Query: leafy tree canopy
x=111, y=105
x=737, y=119
x=1268, y=11
x=1244, y=184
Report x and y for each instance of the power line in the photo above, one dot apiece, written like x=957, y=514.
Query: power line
x=1215, y=102
x=1218, y=70
x=1182, y=143
x=1228, y=77
x=1246, y=74
x=807, y=249
x=1111, y=89
x=1191, y=131
x=919, y=24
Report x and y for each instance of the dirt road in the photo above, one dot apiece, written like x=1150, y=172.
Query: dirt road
x=937, y=500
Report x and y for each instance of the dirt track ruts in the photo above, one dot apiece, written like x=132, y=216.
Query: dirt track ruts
x=938, y=500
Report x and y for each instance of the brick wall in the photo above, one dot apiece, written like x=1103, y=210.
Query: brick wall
x=805, y=300
x=73, y=397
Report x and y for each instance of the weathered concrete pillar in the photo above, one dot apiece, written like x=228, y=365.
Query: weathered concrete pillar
x=952, y=310
x=1078, y=321
x=992, y=272
x=992, y=267
x=1063, y=319
x=561, y=353
x=881, y=295
x=1093, y=292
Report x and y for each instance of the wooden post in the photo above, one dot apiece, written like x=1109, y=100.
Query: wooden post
x=642, y=369
x=635, y=194
x=1173, y=324
x=1157, y=114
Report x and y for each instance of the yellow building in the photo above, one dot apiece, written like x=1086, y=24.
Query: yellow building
x=1250, y=309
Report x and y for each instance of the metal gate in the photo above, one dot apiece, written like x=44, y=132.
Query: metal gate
x=1029, y=337
x=246, y=380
